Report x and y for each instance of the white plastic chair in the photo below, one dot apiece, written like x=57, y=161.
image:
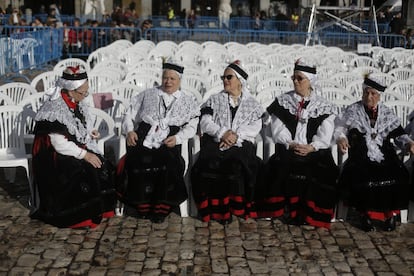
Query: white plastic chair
x=44, y=81
x=104, y=123
x=17, y=91
x=30, y=106
x=12, y=148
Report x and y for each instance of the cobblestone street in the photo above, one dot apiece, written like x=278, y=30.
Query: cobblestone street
x=186, y=246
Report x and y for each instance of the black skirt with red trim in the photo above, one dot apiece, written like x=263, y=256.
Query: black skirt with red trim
x=152, y=180
x=299, y=187
x=71, y=192
x=223, y=182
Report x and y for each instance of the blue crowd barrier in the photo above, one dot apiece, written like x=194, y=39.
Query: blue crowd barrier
x=92, y=38
x=28, y=48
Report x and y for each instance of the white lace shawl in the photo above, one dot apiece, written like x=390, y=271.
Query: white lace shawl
x=249, y=110
x=317, y=105
x=355, y=116
x=57, y=110
x=148, y=107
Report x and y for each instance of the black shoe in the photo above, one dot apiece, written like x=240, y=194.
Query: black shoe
x=225, y=221
x=389, y=224
x=367, y=225
x=157, y=218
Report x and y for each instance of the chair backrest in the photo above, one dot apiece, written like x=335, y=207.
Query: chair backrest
x=283, y=84
x=342, y=104
x=17, y=91
x=334, y=93
x=102, y=121
x=401, y=73
x=143, y=81
x=213, y=90
x=125, y=90
x=99, y=81
x=5, y=100
x=11, y=130
x=405, y=88
x=112, y=64
x=268, y=95
x=402, y=109
x=44, y=81
x=61, y=65
x=344, y=78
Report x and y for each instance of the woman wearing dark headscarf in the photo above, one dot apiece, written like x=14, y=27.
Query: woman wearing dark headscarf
x=224, y=176
x=299, y=183
x=73, y=183
x=151, y=175
x=373, y=178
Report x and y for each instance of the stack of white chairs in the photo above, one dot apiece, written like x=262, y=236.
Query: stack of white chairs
x=12, y=147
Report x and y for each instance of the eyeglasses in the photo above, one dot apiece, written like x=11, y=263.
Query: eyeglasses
x=83, y=93
x=228, y=77
x=298, y=78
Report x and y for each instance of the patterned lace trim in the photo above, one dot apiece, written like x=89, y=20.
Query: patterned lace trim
x=317, y=106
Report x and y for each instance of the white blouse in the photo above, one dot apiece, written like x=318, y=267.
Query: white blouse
x=317, y=106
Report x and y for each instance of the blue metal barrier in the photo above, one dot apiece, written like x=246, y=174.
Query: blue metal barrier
x=26, y=48
x=181, y=34
x=90, y=39
x=350, y=41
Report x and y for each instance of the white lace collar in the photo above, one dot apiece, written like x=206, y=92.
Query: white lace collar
x=356, y=117
x=316, y=107
x=57, y=110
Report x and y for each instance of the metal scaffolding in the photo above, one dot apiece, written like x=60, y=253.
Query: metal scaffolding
x=340, y=20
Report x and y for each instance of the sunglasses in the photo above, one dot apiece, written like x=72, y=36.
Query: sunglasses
x=298, y=78
x=228, y=77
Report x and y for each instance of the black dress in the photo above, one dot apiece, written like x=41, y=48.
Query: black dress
x=69, y=192
x=224, y=181
x=300, y=189
x=373, y=179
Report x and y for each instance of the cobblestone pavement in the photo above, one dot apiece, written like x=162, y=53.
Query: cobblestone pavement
x=186, y=246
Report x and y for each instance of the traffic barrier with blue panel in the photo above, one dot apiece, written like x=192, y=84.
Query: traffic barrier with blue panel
x=28, y=48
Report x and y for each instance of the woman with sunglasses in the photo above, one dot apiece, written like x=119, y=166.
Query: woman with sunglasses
x=299, y=182
x=224, y=176
x=72, y=182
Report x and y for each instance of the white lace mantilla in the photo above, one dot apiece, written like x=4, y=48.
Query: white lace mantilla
x=57, y=110
x=181, y=110
x=356, y=117
x=317, y=105
x=249, y=110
